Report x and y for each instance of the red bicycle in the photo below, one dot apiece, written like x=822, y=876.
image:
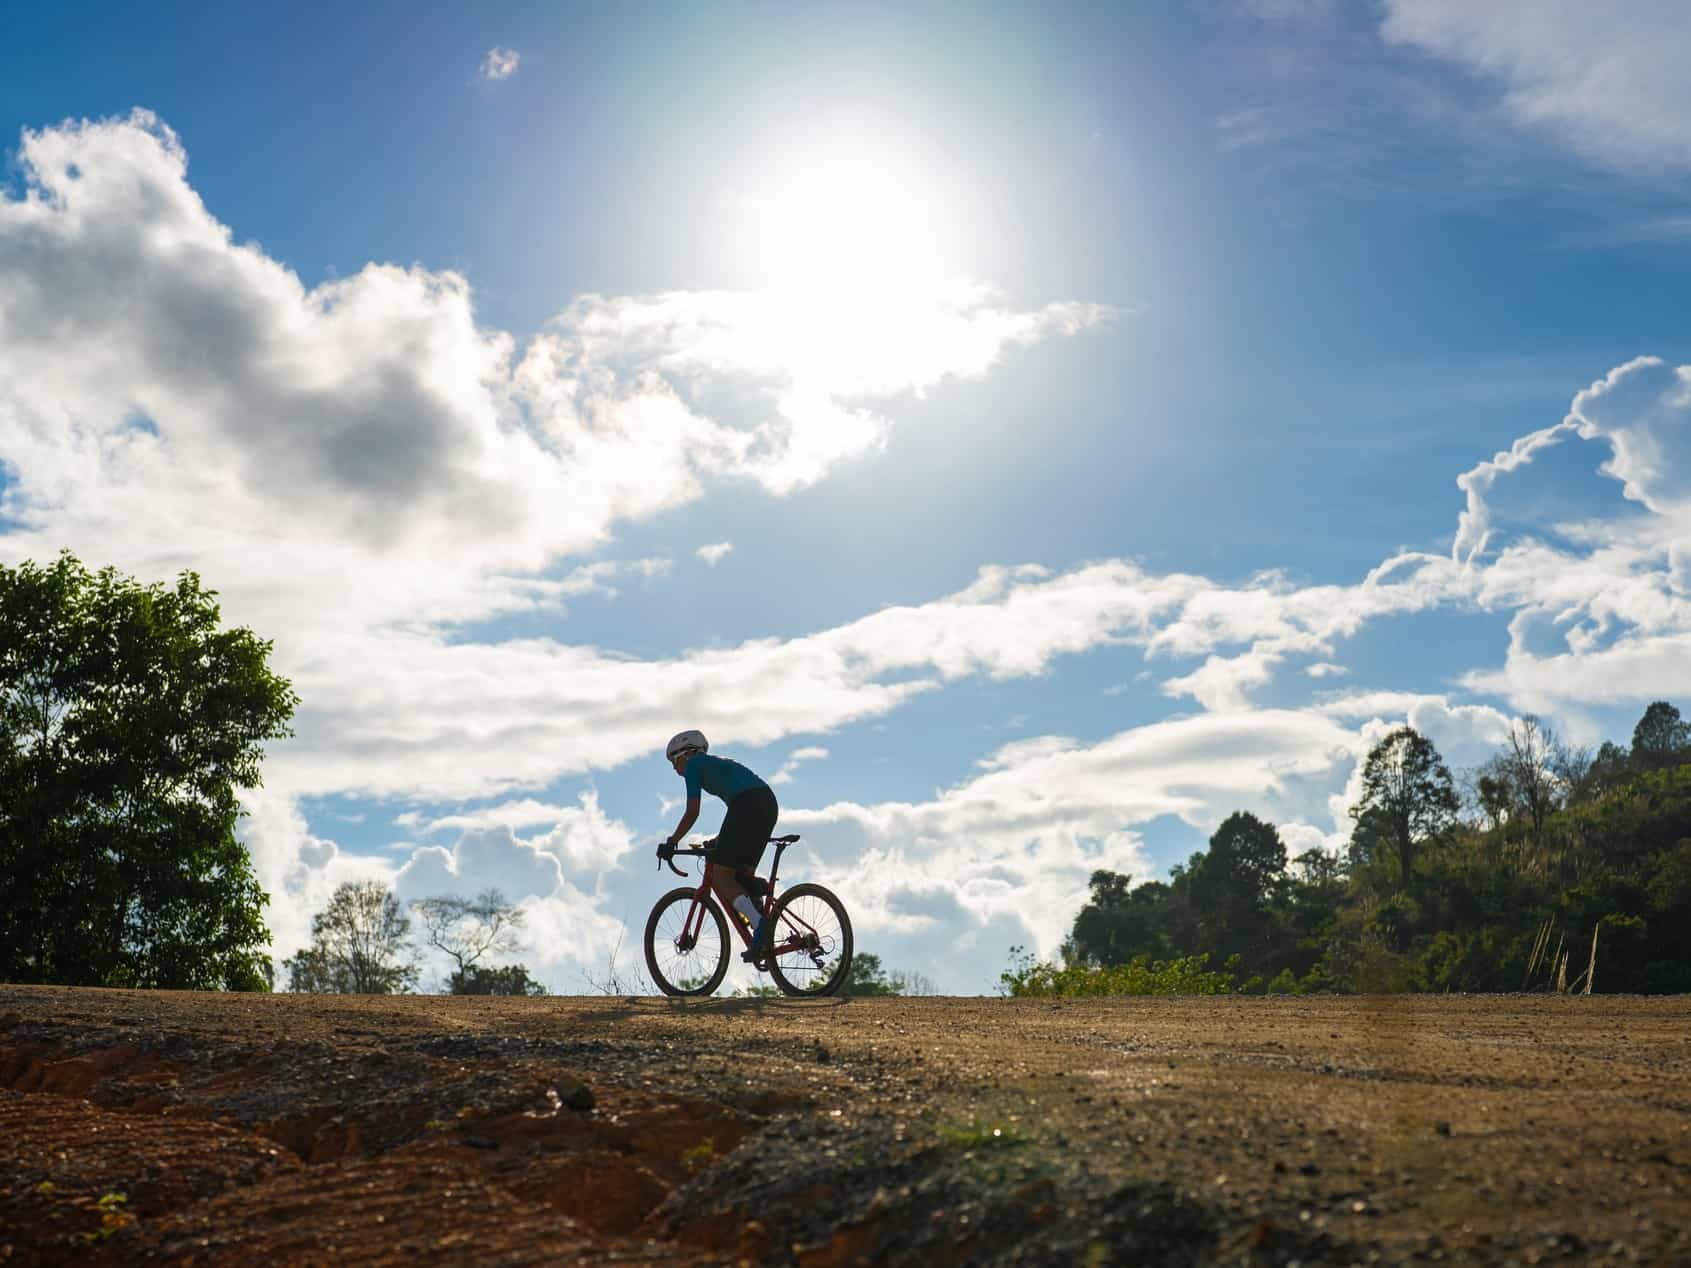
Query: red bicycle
x=687, y=946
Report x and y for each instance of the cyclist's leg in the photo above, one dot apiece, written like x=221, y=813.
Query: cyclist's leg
x=726, y=886
x=752, y=883
x=740, y=844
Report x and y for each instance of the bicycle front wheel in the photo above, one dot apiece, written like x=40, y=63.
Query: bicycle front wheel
x=686, y=949
x=812, y=947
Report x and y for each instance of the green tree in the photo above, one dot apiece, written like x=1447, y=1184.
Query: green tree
x=1660, y=739
x=359, y=945
x=512, y=979
x=1408, y=800
x=1120, y=921
x=1533, y=775
x=1233, y=885
x=1308, y=909
x=867, y=976
x=1531, y=757
x=1493, y=794
x=1608, y=771
x=128, y=721
x=910, y=982
x=469, y=928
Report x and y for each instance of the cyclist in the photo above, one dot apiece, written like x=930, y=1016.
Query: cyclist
x=746, y=827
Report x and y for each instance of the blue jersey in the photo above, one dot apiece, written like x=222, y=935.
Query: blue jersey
x=719, y=776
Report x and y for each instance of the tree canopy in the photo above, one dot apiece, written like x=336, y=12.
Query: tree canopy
x=468, y=928
x=360, y=945
x=1558, y=848
x=1408, y=800
x=868, y=976
x=510, y=979
x=128, y=721
x=1660, y=739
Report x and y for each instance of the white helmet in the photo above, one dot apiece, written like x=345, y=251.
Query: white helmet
x=686, y=742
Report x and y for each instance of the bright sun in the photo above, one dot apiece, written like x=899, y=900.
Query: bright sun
x=848, y=215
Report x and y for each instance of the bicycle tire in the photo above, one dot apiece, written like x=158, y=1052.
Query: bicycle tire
x=821, y=969
x=671, y=980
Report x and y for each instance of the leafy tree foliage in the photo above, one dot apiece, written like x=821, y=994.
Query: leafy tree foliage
x=128, y=721
x=1233, y=886
x=469, y=928
x=1119, y=922
x=512, y=979
x=1660, y=739
x=1609, y=770
x=360, y=945
x=1534, y=774
x=868, y=977
x=1532, y=761
x=1568, y=847
x=1408, y=800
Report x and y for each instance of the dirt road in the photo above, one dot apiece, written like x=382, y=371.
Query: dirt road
x=217, y=1129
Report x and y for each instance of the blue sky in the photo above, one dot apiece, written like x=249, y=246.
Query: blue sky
x=1035, y=433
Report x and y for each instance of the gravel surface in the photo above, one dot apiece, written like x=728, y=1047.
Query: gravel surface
x=219, y=1129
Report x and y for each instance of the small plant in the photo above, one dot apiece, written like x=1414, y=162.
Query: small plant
x=46, y=1186
x=113, y=1218
x=1284, y=984
x=700, y=1155
x=977, y=1136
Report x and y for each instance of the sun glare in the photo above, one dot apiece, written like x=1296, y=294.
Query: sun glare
x=847, y=216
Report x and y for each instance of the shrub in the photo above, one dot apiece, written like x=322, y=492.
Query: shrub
x=1284, y=984
x=1139, y=976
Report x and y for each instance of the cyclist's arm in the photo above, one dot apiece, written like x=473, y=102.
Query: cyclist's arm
x=688, y=819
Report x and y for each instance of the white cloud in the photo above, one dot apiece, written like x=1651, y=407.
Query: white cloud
x=508, y=814
x=555, y=878
x=795, y=759
x=363, y=471
x=297, y=868
x=809, y=361
x=1224, y=683
x=1607, y=80
x=1473, y=528
x=499, y=64
x=1325, y=669
x=1636, y=669
x=1609, y=623
x=714, y=553
x=363, y=452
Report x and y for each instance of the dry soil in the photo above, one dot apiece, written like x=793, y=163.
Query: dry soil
x=176, y=1128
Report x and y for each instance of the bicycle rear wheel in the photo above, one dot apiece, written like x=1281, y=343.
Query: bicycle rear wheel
x=682, y=965
x=812, y=944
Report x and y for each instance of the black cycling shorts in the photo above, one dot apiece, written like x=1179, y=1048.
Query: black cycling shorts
x=746, y=828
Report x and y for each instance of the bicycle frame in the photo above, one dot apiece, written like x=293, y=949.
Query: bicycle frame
x=696, y=913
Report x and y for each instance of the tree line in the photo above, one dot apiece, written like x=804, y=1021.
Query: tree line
x=1546, y=867
x=361, y=944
